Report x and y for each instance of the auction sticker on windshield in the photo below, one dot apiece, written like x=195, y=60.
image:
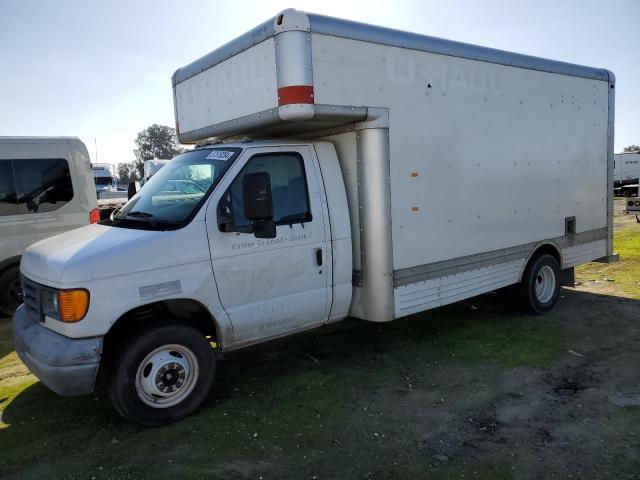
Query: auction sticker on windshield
x=220, y=155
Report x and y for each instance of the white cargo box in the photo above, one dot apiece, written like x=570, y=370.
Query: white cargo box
x=486, y=154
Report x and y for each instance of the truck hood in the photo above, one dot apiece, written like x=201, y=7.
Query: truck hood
x=95, y=251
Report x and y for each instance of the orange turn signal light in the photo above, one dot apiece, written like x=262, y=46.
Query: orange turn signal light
x=73, y=304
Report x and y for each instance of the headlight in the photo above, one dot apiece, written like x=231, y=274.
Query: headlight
x=72, y=305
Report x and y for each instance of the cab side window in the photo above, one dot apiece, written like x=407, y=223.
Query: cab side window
x=34, y=185
x=289, y=191
x=8, y=198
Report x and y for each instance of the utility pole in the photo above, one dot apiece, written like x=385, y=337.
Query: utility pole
x=95, y=144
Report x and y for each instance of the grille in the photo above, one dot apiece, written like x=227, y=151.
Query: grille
x=31, y=297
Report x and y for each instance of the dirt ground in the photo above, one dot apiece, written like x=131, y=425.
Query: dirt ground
x=472, y=390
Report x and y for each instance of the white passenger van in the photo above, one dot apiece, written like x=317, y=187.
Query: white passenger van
x=329, y=196
x=46, y=188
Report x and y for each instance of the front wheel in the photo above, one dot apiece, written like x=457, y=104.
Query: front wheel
x=10, y=290
x=540, y=286
x=162, y=376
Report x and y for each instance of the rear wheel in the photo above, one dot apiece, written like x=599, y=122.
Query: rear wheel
x=540, y=286
x=10, y=290
x=163, y=375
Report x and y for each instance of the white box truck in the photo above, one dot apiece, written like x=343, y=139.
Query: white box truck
x=103, y=176
x=46, y=188
x=364, y=171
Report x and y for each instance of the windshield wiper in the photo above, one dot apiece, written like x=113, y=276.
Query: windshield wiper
x=138, y=216
x=138, y=213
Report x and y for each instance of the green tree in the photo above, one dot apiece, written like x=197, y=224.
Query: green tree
x=126, y=173
x=631, y=149
x=156, y=141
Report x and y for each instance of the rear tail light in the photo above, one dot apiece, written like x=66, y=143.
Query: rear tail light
x=94, y=216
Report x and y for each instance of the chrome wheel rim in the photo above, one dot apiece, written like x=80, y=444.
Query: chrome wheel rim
x=545, y=284
x=167, y=376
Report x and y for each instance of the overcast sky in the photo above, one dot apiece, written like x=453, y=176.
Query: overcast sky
x=102, y=69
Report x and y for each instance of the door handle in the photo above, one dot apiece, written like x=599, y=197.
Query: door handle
x=319, y=256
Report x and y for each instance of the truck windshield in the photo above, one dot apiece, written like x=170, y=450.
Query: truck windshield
x=171, y=198
x=104, y=180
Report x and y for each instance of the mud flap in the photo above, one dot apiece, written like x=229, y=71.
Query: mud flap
x=568, y=277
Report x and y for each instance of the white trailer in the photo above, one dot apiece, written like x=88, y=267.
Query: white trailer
x=102, y=176
x=151, y=167
x=330, y=196
x=626, y=173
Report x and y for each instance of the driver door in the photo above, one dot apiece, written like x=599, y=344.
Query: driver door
x=273, y=286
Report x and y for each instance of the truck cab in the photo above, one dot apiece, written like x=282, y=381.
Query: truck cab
x=254, y=247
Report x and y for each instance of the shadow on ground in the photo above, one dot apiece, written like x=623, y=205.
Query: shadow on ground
x=468, y=389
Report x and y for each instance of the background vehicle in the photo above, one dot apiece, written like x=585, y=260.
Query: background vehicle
x=46, y=187
x=633, y=205
x=337, y=202
x=626, y=173
x=151, y=167
x=103, y=176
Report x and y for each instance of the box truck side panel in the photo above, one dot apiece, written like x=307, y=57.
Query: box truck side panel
x=627, y=167
x=239, y=86
x=483, y=156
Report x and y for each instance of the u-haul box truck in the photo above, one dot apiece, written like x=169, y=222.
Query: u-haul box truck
x=321, y=188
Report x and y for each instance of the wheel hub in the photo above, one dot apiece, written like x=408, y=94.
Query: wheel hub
x=170, y=377
x=166, y=376
x=545, y=284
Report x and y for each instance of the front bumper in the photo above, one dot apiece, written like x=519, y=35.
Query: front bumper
x=68, y=366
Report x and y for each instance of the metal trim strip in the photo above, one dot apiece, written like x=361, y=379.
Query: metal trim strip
x=610, y=166
x=397, y=38
x=340, y=115
x=387, y=36
x=234, y=47
x=419, y=273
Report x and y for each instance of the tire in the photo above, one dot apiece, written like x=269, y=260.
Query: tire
x=10, y=290
x=540, y=286
x=176, y=354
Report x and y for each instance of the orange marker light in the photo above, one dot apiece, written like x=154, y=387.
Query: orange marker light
x=73, y=304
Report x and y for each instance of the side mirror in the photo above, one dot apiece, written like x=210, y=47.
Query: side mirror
x=256, y=196
x=258, y=205
x=264, y=229
x=132, y=189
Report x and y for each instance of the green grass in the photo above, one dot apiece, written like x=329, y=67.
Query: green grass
x=625, y=273
x=6, y=339
x=285, y=401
